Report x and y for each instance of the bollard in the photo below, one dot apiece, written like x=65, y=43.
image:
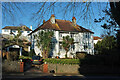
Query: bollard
x=45, y=68
x=21, y=66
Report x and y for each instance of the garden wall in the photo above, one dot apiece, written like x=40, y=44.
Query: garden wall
x=11, y=66
x=63, y=68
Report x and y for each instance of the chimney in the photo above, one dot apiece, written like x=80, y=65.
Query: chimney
x=74, y=21
x=43, y=21
x=52, y=19
x=31, y=27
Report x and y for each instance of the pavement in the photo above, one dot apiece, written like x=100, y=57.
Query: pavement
x=36, y=74
x=47, y=76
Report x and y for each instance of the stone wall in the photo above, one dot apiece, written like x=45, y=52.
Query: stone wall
x=10, y=66
x=63, y=68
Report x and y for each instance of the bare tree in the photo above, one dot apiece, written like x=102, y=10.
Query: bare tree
x=84, y=10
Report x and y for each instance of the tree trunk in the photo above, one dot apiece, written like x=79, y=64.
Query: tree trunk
x=66, y=54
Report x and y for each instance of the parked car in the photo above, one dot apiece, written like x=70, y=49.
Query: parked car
x=36, y=59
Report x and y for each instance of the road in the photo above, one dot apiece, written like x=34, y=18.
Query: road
x=36, y=74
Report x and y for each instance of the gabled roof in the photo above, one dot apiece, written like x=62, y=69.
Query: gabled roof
x=17, y=27
x=96, y=38
x=61, y=25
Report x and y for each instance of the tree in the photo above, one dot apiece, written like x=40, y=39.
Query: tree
x=106, y=46
x=115, y=10
x=82, y=10
x=16, y=37
x=43, y=40
x=66, y=43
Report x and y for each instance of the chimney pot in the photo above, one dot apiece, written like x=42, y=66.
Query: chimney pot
x=52, y=19
x=31, y=27
x=74, y=21
x=43, y=21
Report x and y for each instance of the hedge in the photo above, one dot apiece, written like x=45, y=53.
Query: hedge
x=24, y=57
x=62, y=61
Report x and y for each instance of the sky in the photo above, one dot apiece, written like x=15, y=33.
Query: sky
x=14, y=16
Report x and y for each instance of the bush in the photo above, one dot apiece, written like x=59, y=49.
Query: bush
x=61, y=61
x=25, y=53
x=12, y=56
x=24, y=57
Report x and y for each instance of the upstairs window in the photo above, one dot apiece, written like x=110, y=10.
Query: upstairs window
x=60, y=35
x=28, y=31
x=72, y=35
x=21, y=31
x=6, y=30
x=14, y=31
x=85, y=46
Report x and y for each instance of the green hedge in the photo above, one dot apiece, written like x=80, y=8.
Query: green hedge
x=24, y=57
x=62, y=61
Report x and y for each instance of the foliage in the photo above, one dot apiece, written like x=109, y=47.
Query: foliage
x=43, y=39
x=109, y=22
x=106, y=46
x=24, y=57
x=32, y=53
x=12, y=56
x=115, y=10
x=18, y=35
x=61, y=61
x=66, y=43
x=102, y=59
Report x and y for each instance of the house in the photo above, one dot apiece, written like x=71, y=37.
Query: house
x=83, y=38
x=96, y=39
x=9, y=32
x=13, y=30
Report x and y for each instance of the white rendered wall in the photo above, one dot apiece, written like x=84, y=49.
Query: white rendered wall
x=79, y=46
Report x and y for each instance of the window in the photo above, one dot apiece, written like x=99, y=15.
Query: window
x=21, y=31
x=89, y=45
x=86, y=36
x=60, y=35
x=60, y=46
x=85, y=46
x=5, y=30
x=28, y=31
x=52, y=45
x=73, y=47
x=14, y=31
x=72, y=35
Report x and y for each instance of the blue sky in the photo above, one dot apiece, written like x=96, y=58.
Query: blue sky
x=24, y=16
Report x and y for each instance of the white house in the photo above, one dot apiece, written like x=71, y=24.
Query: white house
x=96, y=39
x=11, y=31
x=83, y=38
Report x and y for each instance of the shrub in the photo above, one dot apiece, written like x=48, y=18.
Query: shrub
x=14, y=55
x=25, y=53
x=61, y=61
x=24, y=57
